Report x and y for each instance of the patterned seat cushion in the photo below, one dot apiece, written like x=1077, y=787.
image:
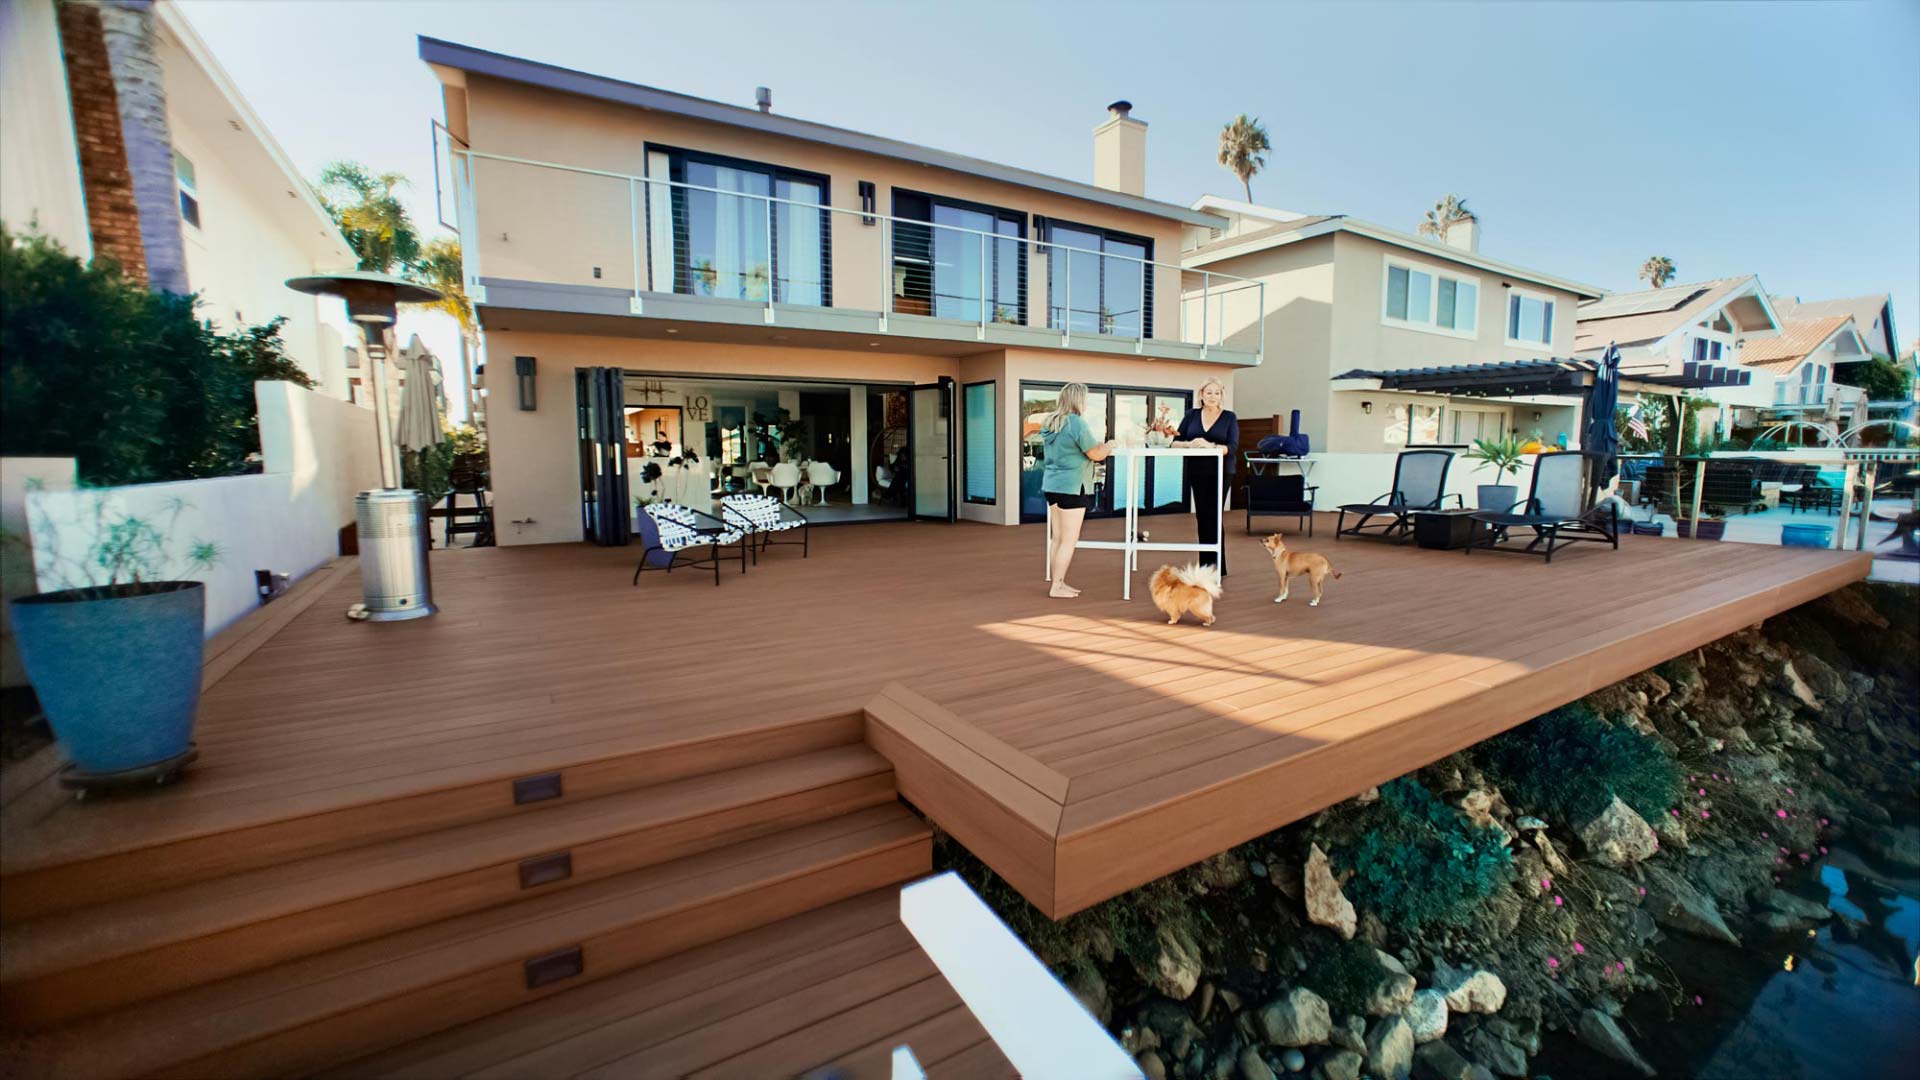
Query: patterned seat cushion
x=762, y=513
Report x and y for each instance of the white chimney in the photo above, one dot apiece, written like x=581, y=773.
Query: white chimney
x=1464, y=235
x=1120, y=151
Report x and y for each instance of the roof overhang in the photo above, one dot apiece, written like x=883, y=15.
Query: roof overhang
x=1398, y=239
x=1551, y=375
x=445, y=56
x=1746, y=306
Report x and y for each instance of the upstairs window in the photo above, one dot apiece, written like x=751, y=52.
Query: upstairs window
x=1099, y=281
x=1705, y=351
x=740, y=229
x=189, y=189
x=1425, y=299
x=1529, y=319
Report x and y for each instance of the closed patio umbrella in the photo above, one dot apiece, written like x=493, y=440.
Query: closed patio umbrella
x=420, y=400
x=1600, y=437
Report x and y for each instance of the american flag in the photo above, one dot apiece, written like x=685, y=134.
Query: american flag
x=1636, y=422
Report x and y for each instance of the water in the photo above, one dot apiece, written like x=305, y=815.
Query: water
x=1839, y=1001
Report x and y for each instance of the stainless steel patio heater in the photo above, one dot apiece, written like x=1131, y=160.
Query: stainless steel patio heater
x=392, y=521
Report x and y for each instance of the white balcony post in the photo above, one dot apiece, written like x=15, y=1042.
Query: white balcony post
x=1846, y=507
x=1066, y=304
x=633, y=222
x=983, y=286
x=1699, y=489
x=886, y=276
x=1866, y=503
x=1140, y=342
x=1261, y=314
x=1206, y=301
x=769, y=205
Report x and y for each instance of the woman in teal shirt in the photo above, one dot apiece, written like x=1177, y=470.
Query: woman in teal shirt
x=1067, y=481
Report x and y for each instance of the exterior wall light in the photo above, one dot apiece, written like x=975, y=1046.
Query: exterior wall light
x=1367, y=407
x=523, y=374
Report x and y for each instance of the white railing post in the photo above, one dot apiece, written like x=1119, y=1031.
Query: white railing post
x=886, y=276
x=1699, y=489
x=983, y=286
x=1846, y=507
x=1206, y=301
x=769, y=205
x=633, y=221
x=1140, y=342
x=1066, y=304
x=1261, y=314
x=1866, y=502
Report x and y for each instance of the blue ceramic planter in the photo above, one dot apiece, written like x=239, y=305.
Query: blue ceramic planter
x=1800, y=534
x=119, y=676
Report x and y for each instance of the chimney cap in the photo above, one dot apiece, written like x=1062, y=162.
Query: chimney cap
x=763, y=97
x=1121, y=107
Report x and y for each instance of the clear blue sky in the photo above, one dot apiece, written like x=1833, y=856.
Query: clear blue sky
x=1774, y=138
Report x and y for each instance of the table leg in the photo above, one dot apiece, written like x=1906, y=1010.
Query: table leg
x=1220, y=500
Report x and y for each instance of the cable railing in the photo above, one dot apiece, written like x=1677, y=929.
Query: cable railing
x=749, y=239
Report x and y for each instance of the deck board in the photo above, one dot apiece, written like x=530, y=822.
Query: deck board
x=1080, y=722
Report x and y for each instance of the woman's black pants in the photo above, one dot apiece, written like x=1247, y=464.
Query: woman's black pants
x=1199, y=494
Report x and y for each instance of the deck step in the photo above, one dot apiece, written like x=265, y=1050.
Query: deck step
x=839, y=987
x=312, y=1013
x=63, y=967
x=57, y=855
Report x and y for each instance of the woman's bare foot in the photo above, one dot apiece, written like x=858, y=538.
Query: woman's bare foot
x=1063, y=592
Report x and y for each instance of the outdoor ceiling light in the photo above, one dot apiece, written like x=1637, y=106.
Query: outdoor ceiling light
x=523, y=371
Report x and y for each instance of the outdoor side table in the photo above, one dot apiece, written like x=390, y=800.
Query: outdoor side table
x=1445, y=530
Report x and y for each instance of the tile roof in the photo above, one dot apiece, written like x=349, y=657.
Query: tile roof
x=1637, y=318
x=1865, y=310
x=1797, y=338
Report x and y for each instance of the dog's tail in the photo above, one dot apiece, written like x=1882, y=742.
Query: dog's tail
x=1200, y=577
x=1336, y=575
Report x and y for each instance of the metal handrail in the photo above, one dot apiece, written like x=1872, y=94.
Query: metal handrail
x=889, y=223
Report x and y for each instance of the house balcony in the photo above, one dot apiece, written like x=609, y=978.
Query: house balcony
x=561, y=248
x=1824, y=396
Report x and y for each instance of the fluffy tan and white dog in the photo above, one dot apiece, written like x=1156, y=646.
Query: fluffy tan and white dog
x=1191, y=588
x=1291, y=564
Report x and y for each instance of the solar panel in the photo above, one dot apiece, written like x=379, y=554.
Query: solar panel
x=1640, y=303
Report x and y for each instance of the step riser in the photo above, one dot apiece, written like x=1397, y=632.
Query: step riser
x=35, y=893
x=423, y=1011
x=79, y=992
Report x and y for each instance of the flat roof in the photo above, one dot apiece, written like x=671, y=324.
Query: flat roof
x=515, y=69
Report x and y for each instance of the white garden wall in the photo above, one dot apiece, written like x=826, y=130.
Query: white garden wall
x=318, y=453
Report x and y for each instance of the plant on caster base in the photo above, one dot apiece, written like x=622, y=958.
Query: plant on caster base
x=115, y=653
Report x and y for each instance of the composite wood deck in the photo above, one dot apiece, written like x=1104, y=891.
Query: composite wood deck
x=1080, y=747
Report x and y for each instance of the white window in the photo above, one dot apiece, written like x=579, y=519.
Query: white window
x=1425, y=298
x=1706, y=350
x=1529, y=318
x=189, y=189
x=1413, y=425
x=1468, y=424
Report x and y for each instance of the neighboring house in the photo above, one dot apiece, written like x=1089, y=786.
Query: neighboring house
x=1343, y=295
x=1872, y=317
x=1802, y=361
x=235, y=210
x=761, y=288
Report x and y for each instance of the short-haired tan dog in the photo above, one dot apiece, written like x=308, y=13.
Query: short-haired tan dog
x=1291, y=564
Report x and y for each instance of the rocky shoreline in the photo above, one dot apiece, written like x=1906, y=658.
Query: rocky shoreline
x=1439, y=926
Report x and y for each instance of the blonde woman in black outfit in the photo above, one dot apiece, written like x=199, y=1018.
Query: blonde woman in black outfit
x=1209, y=425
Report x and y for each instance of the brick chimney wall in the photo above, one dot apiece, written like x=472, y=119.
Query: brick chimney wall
x=113, y=217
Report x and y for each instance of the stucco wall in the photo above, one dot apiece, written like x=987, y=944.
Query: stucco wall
x=544, y=225
x=1298, y=311
x=40, y=171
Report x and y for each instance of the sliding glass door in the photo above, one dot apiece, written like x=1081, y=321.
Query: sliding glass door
x=1112, y=412
x=733, y=241
x=964, y=257
x=930, y=433
x=1100, y=286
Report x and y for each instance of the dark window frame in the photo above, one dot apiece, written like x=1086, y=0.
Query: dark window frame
x=1044, y=227
x=1111, y=390
x=677, y=159
x=1000, y=214
x=967, y=441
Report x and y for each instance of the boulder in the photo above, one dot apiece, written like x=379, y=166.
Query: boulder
x=1438, y=1061
x=1677, y=905
x=1342, y=1065
x=1392, y=994
x=1798, y=908
x=1471, y=990
x=1499, y=1056
x=1299, y=1019
x=1350, y=1034
x=1151, y=1066
x=1087, y=984
x=1618, y=836
x=1176, y=964
x=1477, y=805
x=1390, y=1048
x=1253, y=1066
x=1598, y=1031
x=1797, y=686
x=1326, y=905
x=1427, y=1015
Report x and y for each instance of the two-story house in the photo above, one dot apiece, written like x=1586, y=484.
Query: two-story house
x=1343, y=295
x=1802, y=361
x=652, y=268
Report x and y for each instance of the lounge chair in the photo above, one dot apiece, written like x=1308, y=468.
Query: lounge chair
x=682, y=529
x=760, y=516
x=1559, y=508
x=1280, y=496
x=1419, y=483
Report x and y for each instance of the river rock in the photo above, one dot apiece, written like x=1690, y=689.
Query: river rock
x=1087, y=984
x=1390, y=1048
x=1299, y=1019
x=1598, y=1031
x=1617, y=836
x=1293, y=1060
x=1470, y=990
x=1326, y=905
x=1798, y=686
x=1529, y=823
x=1392, y=994
x=1497, y=1054
x=1176, y=965
x=1253, y=1066
x=1151, y=1066
x=1798, y=907
x=1427, y=1015
x=1677, y=905
x=1342, y=1065
x=1438, y=1061
x=1350, y=1034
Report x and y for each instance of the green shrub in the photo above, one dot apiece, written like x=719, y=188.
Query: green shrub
x=125, y=380
x=1418, y=861
x=1569, y=765
x=1346, y=976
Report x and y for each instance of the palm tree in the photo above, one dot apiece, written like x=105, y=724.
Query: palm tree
x=133, y=56
x=1657, y=271
x=370, y=215
x=440, y=267
x=1243, y=149
x=1448, y=212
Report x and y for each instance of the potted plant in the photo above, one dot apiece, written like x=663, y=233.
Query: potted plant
x=1502, y=455
x=115, y=654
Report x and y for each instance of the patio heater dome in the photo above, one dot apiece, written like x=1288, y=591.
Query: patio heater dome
x=392, y=521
